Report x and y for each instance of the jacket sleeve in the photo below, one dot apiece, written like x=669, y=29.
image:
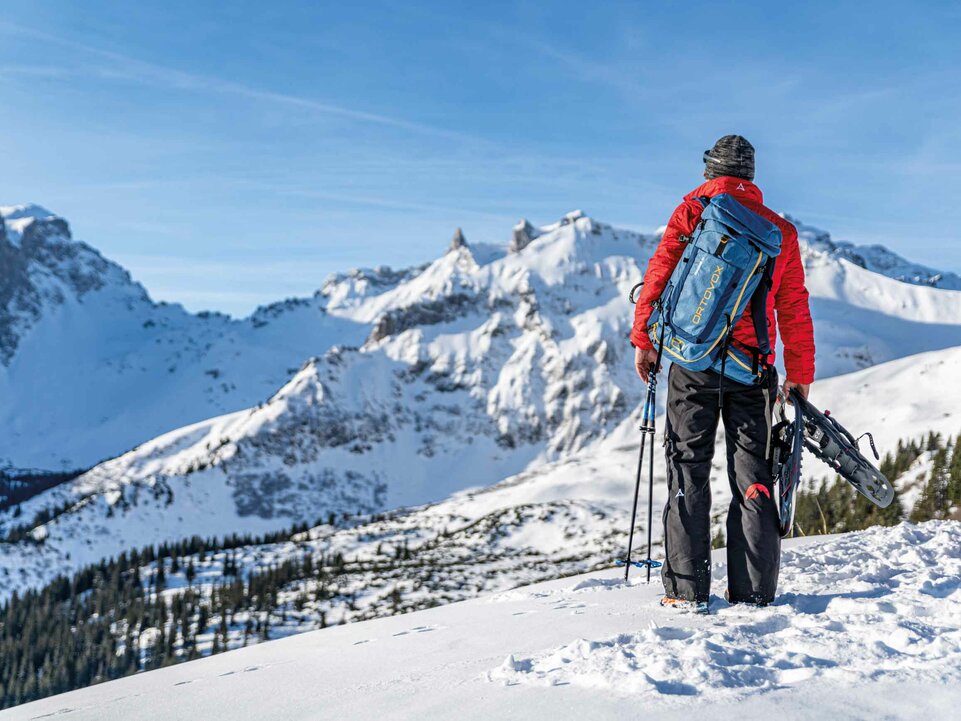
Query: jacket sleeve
x=661, y=265
x=794, y=318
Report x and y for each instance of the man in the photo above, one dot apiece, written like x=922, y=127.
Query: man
x=693, y=407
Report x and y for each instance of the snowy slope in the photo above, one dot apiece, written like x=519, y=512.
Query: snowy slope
x=875, y=258
x=470, y=373
x=562, y=516
x=101, y=367
x=866, y=627
x=79, y=338
x=479, y=366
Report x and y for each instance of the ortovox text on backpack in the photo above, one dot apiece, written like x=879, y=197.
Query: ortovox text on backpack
x=727, y=263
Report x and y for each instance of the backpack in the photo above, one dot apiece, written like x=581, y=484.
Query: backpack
x=727, y=262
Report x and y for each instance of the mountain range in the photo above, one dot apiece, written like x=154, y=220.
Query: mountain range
x=493, y=380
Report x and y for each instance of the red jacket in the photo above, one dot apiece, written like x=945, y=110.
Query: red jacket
x=787, y=303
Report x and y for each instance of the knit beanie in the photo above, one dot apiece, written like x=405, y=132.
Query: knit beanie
x=731, y=155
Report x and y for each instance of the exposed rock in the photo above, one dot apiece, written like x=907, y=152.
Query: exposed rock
x=522, y=236
x=458, y=241
x=41, y=243
x=428, y=312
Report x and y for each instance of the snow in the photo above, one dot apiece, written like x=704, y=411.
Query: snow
x=174, y=485
x=564, y=291
x=18, y=217
x=884, y=604
x=875, y=258
x=867, y=626
x=488, y=397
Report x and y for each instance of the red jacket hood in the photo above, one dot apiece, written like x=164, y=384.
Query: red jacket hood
x=742, y=190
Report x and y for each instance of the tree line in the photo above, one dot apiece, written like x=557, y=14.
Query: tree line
x=151, y=608
x=838, y=508
x=147, y=609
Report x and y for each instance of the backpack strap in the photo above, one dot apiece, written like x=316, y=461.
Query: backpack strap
x=759, y=309
x=704, y=201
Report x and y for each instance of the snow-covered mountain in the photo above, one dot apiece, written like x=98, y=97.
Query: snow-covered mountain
x=79, y=339
x=867, y=627
x=99, y=367
x=552, y=518
x=875, y=258
x=486, y=364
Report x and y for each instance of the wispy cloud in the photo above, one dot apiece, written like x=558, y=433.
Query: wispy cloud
x=133, y=68
x=394, y=204
x=35, y=71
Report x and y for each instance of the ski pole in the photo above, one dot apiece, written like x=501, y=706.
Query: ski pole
x=637, y=489
x=647, y=428
x=650, y=476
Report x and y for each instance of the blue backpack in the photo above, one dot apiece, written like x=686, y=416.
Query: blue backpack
x=727, y=262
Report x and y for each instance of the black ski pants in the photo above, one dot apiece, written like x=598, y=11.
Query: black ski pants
x=753, y=538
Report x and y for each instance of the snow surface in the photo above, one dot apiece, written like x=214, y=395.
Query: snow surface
x=563, y=294
x=866, y=626
x=125, y=503
x=496, y=387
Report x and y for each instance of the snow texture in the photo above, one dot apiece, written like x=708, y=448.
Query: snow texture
x=867, y=626
x=878, y=606
x=529, y=334
x=482, y=369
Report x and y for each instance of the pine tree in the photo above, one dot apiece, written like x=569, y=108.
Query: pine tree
x=954, y=475
x=933, y=502
x=718, y=540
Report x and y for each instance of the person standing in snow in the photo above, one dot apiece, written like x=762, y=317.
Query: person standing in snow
x=693, y=408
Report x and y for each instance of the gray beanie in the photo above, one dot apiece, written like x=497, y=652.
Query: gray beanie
x=731, y=155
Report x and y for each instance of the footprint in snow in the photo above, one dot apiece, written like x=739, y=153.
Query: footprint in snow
x=58, y=712
x=416, y=629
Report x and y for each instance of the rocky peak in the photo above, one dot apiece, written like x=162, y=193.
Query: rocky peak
x=522, y=236
x=40, y=265
x=458, y=241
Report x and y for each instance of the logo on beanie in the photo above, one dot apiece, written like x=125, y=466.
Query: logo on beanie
x=740, y=186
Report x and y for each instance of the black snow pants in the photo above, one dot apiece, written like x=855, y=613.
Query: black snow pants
x=753, y=538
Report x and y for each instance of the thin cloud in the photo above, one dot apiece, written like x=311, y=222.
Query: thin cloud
x=392, y=204
x=135, y=68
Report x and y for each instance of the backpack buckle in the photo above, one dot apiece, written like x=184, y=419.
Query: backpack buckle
x=720, y=246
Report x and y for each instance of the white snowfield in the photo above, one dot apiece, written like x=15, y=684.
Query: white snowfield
x=866, y=626
x=482, y=365
x=595, y=487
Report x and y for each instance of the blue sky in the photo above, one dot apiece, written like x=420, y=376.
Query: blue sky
x=233, y=154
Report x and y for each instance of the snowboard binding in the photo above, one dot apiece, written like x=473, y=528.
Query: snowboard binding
x=832, y=443
x=827, y=439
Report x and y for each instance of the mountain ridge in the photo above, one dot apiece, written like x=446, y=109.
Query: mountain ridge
x=459, y=374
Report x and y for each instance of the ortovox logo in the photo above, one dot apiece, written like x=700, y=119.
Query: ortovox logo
x=755, y=490
x=708, y=294
x=679, y=494
x=740, y=186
